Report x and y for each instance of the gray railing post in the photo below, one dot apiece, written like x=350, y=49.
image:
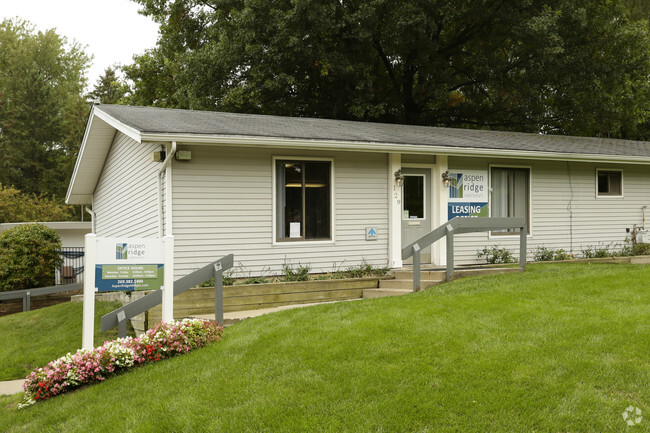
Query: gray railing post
x=417, y=282
x=27, y=301
x=121, y=324
x=450, y=252
x=218, y=293
x=523, y=234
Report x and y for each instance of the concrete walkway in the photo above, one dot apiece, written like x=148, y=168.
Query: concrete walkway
x=11, y=387
x=236, y=316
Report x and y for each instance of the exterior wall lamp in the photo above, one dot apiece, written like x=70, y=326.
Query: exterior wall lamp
x=446, y=179
x=399, y=177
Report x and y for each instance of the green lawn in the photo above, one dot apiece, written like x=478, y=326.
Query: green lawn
x=34, y=338
x=561, y=348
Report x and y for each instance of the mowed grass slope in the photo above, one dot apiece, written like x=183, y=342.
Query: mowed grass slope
x=32, y=339
x=561, y=348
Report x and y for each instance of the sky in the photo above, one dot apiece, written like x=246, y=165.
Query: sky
x=111, y=31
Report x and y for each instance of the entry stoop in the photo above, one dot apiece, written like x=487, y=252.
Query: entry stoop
x=403, y=282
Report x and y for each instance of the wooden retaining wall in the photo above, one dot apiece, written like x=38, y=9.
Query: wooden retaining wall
x=200, y=300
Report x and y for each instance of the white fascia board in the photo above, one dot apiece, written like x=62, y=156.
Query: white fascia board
x=82, y=149
x=95, y=112
x=386, y=147
x=122, y=127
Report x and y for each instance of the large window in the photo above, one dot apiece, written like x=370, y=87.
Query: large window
x=609, y=183
x=510, y=194
x=303, y=200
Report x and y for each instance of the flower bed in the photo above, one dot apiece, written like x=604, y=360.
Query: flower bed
x=113, y=357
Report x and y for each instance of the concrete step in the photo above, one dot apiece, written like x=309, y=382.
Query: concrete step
x=382, y=293
x=406, y=284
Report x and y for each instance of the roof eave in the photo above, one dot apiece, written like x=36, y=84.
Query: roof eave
x=82, y=193
x=303, y=144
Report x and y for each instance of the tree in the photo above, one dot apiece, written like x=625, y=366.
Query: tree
x=560, y=66
x=42, y=109
x=17, y=207
x=109, y=89
x=29, y=254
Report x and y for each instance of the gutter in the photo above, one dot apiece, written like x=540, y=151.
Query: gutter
x=161, y=173
x=92, y=219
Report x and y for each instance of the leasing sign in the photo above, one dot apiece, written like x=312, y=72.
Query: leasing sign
x=129, y=264
x=468, y=193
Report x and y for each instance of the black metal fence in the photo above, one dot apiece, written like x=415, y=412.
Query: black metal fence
x=72, y=269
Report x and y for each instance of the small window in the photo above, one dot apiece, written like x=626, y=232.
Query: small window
x=510, y=194
x=303, y=200
x=609, y=183
x=413, y=202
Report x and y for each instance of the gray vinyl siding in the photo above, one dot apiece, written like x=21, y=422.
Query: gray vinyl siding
x=126, y=198
x=223, y=203
x=565, y=212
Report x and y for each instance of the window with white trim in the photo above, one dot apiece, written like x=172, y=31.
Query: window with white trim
x=303, y=198
x=609, y=183
x=510, y=194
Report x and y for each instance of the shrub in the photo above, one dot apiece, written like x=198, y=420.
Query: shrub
x=496, y=255
x=597, y=253
x=543, y=254
x=301, y=273
x=29, y=254
x=113, y=357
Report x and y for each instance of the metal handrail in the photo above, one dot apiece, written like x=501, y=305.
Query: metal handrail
x=461, y=225
x=214, y=270
x=26, y=294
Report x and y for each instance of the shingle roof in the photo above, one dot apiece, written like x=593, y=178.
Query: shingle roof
x=175, y=121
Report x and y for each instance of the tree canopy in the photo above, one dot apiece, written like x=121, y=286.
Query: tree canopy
x=16, y=207
x=109, y=88
x=561, y=66
x=42, y=108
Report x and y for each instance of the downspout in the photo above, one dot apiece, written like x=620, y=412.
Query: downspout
x=92, y=219
x=161, y=173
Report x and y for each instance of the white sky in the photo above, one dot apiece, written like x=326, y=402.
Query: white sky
x=110, y=30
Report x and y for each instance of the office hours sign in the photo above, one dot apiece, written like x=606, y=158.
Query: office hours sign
x=129, y=264
x=468, y=193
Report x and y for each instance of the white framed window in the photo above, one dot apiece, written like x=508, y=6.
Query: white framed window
x=413, y=197
x=510, y=194
x=609, y=183
x=303, y=197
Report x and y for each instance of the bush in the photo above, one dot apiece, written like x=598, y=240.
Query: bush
x=29, y=254
x=301, y=273
x=91, y=366
x=597, y=253
x=543, y=254
x=496, y=255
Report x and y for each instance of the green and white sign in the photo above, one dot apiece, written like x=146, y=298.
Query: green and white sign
x=468, y=193
x=129, y=264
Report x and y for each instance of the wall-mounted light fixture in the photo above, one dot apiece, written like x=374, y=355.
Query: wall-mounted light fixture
x=399, y=177
x=446, y=179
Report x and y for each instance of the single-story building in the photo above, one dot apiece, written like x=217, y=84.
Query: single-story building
x=331, y=194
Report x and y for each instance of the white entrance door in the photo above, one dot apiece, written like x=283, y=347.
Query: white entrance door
x=416, y=208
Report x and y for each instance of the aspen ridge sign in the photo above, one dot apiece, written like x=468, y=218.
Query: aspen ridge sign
x=468, y=194
x=133, y=264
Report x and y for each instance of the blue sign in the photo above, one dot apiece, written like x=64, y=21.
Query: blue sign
x=110, y=278
x=472, y=209
x=371, y=234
